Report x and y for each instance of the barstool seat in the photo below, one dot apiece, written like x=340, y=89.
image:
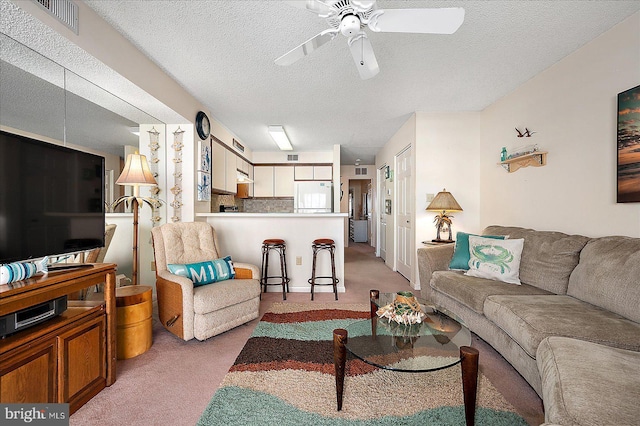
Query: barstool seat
x=273, y=241
x=280, y=246
x=323, y=241
x=330, y=245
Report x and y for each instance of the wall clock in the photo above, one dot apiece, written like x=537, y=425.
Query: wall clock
x=203, y=126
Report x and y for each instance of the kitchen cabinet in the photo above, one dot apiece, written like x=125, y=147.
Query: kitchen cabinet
x=303, y=172
x=322, y=173
x=283, y=178
x=313, y=172
x=263, y=181
x=231, y=171
x=242, y=165
x=219, y=166
x=224, y=173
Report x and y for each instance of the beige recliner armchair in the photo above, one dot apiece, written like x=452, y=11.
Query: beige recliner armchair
x=190, y=311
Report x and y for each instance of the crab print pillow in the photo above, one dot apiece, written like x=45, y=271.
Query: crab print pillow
x=495, y=259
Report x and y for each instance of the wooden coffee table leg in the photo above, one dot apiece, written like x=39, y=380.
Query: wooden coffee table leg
x=374, y=295
x=339, y=361
x=469, y=357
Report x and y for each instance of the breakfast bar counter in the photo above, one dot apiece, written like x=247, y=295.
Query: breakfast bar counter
x=241, y=234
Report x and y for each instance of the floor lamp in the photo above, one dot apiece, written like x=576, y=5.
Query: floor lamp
x=136, y=173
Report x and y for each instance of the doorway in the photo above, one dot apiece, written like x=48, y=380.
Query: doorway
x=360, y=208
x=404, y=220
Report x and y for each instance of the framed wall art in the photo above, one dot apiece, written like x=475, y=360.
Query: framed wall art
x=629, y=146
x=204, y=171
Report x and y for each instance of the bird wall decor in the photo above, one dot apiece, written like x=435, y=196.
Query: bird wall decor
x=527, y=133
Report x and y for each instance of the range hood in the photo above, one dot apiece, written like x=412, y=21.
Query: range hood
x=243, y=177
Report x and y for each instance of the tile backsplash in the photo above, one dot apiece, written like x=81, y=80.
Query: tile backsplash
x=267, y=205
x=252, y=205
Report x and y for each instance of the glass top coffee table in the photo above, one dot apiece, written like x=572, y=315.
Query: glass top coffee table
x=440, y=341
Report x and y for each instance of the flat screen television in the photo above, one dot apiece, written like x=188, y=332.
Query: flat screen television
x=51, y=199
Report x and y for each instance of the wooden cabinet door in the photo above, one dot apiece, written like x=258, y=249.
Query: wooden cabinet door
x=263, y=181
x=29, y=375
x=283, y=181
x=81, y=364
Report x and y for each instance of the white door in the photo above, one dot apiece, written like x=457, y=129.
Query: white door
x=404, y=221
x=382, y=216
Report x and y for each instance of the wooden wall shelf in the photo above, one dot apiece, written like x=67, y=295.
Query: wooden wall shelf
x=535, y=159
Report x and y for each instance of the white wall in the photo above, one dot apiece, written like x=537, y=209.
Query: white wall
x=572, y=106
x=447, y=151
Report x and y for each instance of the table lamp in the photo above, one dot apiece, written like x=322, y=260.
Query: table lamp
x=136, y=173
x=443, y=203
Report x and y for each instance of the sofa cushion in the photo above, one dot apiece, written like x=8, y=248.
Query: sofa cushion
x=472, y=291
x=601, y=388
x=495, y=259
x=548, y=258
x=529, y=319
x=209, y=298
x=608, y=275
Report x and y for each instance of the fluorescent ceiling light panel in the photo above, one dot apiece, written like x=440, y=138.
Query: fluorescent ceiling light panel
x=278, y=134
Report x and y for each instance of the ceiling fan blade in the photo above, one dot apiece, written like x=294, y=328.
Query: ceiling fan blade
x=315, y=6
x=425, y=21
x=363, y=56
x=307, y=47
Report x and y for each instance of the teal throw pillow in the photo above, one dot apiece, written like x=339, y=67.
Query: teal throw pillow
x=208, y=272
x=460, y=259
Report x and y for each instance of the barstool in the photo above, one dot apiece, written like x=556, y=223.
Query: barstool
x=324, y=244
x=279, y=246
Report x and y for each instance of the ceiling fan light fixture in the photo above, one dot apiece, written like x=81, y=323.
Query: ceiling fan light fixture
x=280, y=137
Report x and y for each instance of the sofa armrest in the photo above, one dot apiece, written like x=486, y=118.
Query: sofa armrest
x=246, y=271
x=431, y=259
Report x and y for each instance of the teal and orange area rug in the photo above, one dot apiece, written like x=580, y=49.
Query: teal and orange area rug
x=284, y=376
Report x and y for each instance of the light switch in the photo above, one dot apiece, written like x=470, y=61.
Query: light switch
x=430, y=197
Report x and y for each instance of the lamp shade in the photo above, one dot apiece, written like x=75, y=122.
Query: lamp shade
x=136, y=172
x=444, y=201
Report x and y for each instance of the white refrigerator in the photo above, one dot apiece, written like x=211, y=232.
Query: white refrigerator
x=313, y=197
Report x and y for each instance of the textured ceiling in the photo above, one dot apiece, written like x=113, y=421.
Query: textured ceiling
x=222, y=52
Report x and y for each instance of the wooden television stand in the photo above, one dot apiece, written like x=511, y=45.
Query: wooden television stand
x=68, y=358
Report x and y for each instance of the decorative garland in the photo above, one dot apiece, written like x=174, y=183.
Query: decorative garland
x=154, y=146
x=176, y=190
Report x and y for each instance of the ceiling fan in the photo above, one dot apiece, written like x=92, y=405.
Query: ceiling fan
x=349, y=17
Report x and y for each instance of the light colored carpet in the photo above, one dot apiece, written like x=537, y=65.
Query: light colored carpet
x=173, y=382
x=284, y=375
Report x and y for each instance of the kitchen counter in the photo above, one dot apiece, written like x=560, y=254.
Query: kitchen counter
x=273, y=215
x=240, y=235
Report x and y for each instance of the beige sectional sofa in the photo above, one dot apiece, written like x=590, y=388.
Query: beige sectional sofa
x=578, y=305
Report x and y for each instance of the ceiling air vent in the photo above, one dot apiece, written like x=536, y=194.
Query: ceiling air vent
x=292, y=157
x=361, y=170
x=238, y=145
x=64, y=10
